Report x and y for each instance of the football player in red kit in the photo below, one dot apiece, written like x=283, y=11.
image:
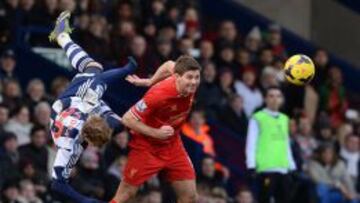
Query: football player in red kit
x=155, y=122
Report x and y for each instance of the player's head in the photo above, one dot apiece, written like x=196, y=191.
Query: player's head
x=273, y=98
x=187, y=73
x=96, y=131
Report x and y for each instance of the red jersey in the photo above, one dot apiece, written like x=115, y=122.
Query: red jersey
x=161, y=105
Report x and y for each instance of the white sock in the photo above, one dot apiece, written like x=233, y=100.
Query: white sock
x=63, y=39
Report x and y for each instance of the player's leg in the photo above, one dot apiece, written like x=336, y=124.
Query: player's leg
x=116, y=74
x=124, y=193
x=185, y=191
x=180, y=172
x=141, y=165
x=78, y=58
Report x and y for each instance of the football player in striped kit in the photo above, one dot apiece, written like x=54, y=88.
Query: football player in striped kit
x=79, y=116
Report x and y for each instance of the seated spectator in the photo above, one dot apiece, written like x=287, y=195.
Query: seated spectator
x=208, y=95
x=20, y=125
x=248, y=90
x=9, y=158
x=325, y=135
x=36, y=151
x=333, y=98
x=27, y=193
x=12, y=94
x=227, y=35
x=219, y=195
x=350, y=153
x=206, y=52
x=321, y=61
x=113, y=176
x=89, y=179
x=10, y=192
x=244, y=195
x=8, y=65
x=35, y=93
x=209, y=176
x=197, y=130
x=306, y=140
x=4, y=117
x=58, y=86
x=37, y=177
x=253, y=43
x=233, y=115
x=117, y=147
x=226, y=83
x=266, y=58
x=164, y=51
x=42, y=113
x=333, y=183
x=242, y=61
x=269, y=77
x=226, y=57
x=275, y=41
x=153, y=196
x=192, y=24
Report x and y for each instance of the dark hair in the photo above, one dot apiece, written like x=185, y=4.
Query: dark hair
x=3, y=105
x=186, y=63
x=274, y=87
x=37, y=128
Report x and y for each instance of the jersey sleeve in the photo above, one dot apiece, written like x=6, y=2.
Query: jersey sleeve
x=151, y=102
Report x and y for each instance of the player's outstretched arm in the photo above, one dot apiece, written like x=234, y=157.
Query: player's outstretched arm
x=130, y=121
x=164, y=71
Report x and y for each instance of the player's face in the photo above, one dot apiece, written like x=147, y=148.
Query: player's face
x=188, y=82
x=274, y=99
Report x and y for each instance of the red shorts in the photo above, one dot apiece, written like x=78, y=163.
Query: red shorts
x=173, y=163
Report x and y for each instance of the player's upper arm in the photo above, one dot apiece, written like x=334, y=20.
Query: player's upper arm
x=152, y=101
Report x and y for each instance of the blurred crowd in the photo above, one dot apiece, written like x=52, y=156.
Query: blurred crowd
x=237, y=68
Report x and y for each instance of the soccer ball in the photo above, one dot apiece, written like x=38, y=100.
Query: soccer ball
x=299, y=69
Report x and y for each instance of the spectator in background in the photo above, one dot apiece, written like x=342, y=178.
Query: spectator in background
x=98, y=36
x=20, y=124
x=275, y=41
x=58, y=86
x=325, y=135
x=272, y=164
x=209, y=176
x=28, y=193
x=36, y=151
x=228, y=35
x=8, y=65
x=153, y=196
x=192, y=24
x=242, y=61
x=244, y=195
x=233, y=115
x=9, y=158
x=118, y=146
x=114, y=175
x=306, y=140
x=10, y=193
x=226, y=57
x=266, y=59
x=333, y=98
x=35, y=93
x=253, y=43
x=4, y=117
x=121, y=38
x=350, y=152
x=89, y=180
x=248, y=90
x=186, y=47
x=38, y=178
x=206, y=52
x=208, y=95
x=42, y=113
x=27, y=10
x=333, y=183
x=226, y=83
x=219, y=195
x=12, y=94
x=269, y=77
x=197, y=130
x=138, y=49
x=67, y=5
x=164, y=51
x=321, y=61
